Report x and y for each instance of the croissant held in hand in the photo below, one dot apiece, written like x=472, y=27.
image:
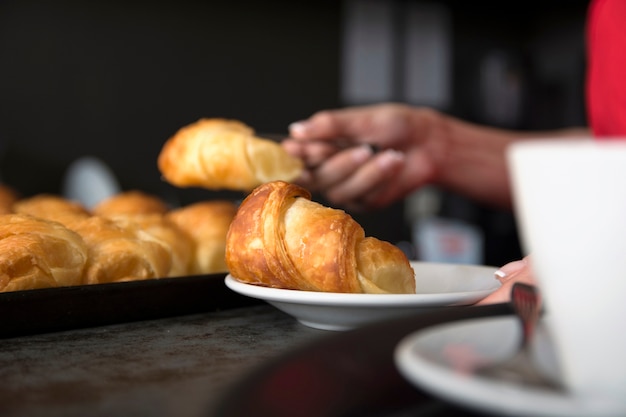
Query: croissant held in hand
x=224, y=154
x=280, y=238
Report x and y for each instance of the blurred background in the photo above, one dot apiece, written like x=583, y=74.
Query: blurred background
x=115, y=79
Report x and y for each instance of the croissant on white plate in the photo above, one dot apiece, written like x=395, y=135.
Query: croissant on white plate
x=280, y=238
x=216, y=153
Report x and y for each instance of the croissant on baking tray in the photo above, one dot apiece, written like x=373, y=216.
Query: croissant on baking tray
x=280, y=238
x=131, y=202
x=51, y=207
x=135, y=208
x=216, y=153
x=120, y=252
x=39, y=253
x=206, y=222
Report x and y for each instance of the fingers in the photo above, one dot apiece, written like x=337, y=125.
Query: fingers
x=312, y=154
x=507, y=271
x=329, y=125
x=361, y=189
x=508, y=275
x=357, y=156
x=342, y=165
x=359, y=178
x=503, y=294
x=354, y=125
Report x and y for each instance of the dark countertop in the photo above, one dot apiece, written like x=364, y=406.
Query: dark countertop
x=174, y=366
x=231, y=361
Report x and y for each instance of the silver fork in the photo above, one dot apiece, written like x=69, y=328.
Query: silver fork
x=521, y=368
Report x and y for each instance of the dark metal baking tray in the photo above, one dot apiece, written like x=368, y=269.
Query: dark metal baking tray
x=56, y=309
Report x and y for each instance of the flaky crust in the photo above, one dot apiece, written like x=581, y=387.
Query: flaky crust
x=280, y=238
x=224, y=154
x=37, y=253
x=207, y=223
x=52, y=207
x=146, y=212
x=177, y=242
x=130, y=202
x=119, y=253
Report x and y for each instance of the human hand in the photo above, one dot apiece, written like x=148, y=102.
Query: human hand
x=509, y=274
x=367, y=157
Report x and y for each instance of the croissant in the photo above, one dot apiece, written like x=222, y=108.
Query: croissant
x=176, y=241
x=280, y=238
x=120, y=253
x=207, y=223
x=147, y=212
x=37, y=253
x=224, y=154
x=130, y=202
x=52, y=207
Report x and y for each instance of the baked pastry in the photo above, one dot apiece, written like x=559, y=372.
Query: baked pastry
x=224, y=154
x=52, y=207
x=176, y=241
x=130, y=202
x=280, y=238
x=145, y=211
x=117, y=253
x=37, y=253
x=207, y=223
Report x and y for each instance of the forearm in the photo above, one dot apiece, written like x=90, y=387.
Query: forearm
x=473, y=162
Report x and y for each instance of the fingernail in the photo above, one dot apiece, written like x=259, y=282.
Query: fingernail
x=500, y=273
x=297, y=128
x=510, y=268
x=389, y=157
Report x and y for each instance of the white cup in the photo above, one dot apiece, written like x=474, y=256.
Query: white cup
x=570, y=202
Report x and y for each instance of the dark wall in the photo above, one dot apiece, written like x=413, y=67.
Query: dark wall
x=115, y=79
x=542, y=44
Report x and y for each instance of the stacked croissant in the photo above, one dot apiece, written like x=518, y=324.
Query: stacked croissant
x=278, y=237
x=49, y=241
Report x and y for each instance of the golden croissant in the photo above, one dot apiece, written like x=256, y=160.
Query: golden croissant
x=39, y=253
x=224, y=154
x=280, y=238
x=206, y=222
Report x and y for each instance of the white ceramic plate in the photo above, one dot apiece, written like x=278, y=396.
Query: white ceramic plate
x=442, y=359
x=437, y=285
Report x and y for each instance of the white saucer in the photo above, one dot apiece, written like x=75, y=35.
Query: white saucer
x=437, y=285
x=441, y=359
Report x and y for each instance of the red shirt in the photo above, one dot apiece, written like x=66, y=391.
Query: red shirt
x=606, y=77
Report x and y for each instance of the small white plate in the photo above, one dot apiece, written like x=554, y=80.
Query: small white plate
x=442, y=359
x=437, y=285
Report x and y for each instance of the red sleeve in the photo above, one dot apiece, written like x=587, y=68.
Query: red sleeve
x=606, y=77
